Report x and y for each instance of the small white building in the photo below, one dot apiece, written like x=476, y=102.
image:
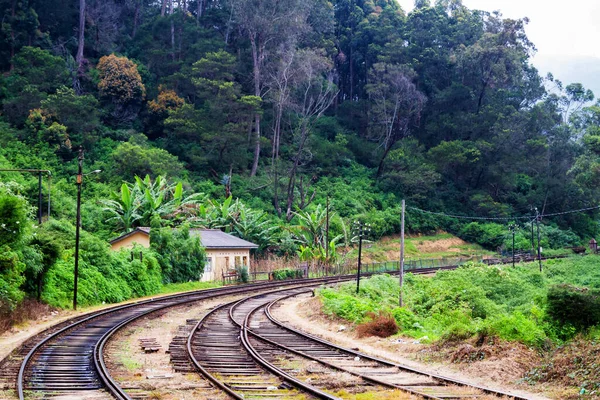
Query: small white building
x=223, y=251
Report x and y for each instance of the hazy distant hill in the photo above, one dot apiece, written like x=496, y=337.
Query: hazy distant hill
x=585, y=70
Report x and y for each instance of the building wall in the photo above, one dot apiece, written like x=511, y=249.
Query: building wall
x=140, y=238
x=222, y=261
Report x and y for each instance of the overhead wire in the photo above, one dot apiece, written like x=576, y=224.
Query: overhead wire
x=529, y=217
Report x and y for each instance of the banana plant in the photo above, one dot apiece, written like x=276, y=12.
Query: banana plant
x=124, y=208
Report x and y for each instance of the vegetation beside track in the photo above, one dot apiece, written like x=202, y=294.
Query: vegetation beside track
x=476, y=301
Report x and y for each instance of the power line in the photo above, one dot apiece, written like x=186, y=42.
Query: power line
x=468, y=217
x=529, y=217
x=570, y=211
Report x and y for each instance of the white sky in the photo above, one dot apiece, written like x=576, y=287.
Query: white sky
x=556, y=27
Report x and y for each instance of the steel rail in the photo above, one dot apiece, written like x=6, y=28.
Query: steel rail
x=380, y=360
x=321, y=361
x=258, y=358
x=204, y=293
x=296, y=383
x=187, y=297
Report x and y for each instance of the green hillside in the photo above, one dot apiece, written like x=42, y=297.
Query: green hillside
x=248, y=117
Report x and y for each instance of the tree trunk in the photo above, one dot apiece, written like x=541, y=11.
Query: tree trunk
x=293, y=171
x=256, y=70
x=172, y=39
x=163, y=9
x=136, y=16
x=199, y=11
x=81, y=36
x=12, y=33
x=381, y=162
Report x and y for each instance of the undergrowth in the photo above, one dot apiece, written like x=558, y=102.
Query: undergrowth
x=476, y=299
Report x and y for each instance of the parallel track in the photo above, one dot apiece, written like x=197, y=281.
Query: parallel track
x=265, y=327
x=68, y=356
x=240, y=347
x=70, y=360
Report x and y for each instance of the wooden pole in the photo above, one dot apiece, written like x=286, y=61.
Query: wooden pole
x=327, y=235
x=539, y=249
x=402, y=251
x=77, y=225
x=360, y=233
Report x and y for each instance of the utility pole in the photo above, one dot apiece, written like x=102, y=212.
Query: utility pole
x=39, y=198
x=78, y=224
x=327, y=234
x=539, y=249
x=532, y=240
x=362, y=229
x=402, y=252
x=512, y=228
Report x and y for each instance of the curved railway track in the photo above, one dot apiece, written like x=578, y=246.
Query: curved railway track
x=67, y=358
x=244, y=350
x=265, y=327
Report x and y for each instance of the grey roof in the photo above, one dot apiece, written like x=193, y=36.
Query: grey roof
x=210, y=238
x=216, y=239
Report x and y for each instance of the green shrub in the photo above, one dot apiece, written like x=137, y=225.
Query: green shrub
x=283, y=274
x=579, y=307
x=180, y=256
x=489, y=235
x=242, y=273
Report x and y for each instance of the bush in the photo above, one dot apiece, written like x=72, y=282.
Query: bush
x=180, y=256
x=579, y=307
x=382, y=325
x=283, y=274
x=489, y=235
x=242, y=273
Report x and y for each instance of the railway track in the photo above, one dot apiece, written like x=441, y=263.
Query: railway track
x=245, y=351
x=67, y=358
x=265, y=327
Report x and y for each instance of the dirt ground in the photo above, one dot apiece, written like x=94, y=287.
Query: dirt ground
x=440, y=245
x=500, y=370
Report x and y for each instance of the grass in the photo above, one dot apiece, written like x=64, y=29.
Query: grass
x=473, y=300
x=187, y=286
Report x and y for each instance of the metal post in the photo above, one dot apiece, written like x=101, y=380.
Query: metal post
x=360, y=233
x=539, y=250
x=39, y=198
x=402, y=251
x=513, y=249
x=49, y=190
x=327, y=235
x=78, y=224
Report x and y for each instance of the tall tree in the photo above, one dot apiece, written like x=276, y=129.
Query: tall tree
x=265, y=23
x=313, y=94
x=81, y=35
x=396, y=105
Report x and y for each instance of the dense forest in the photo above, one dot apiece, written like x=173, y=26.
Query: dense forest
x=246, y=116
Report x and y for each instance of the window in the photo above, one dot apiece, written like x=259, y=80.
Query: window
x=226, y=262
x=245, y=262
x=238, y=261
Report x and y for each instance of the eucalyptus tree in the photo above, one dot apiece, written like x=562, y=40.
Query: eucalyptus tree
x=266, y=24
x=313, y=94
x=396, y=105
